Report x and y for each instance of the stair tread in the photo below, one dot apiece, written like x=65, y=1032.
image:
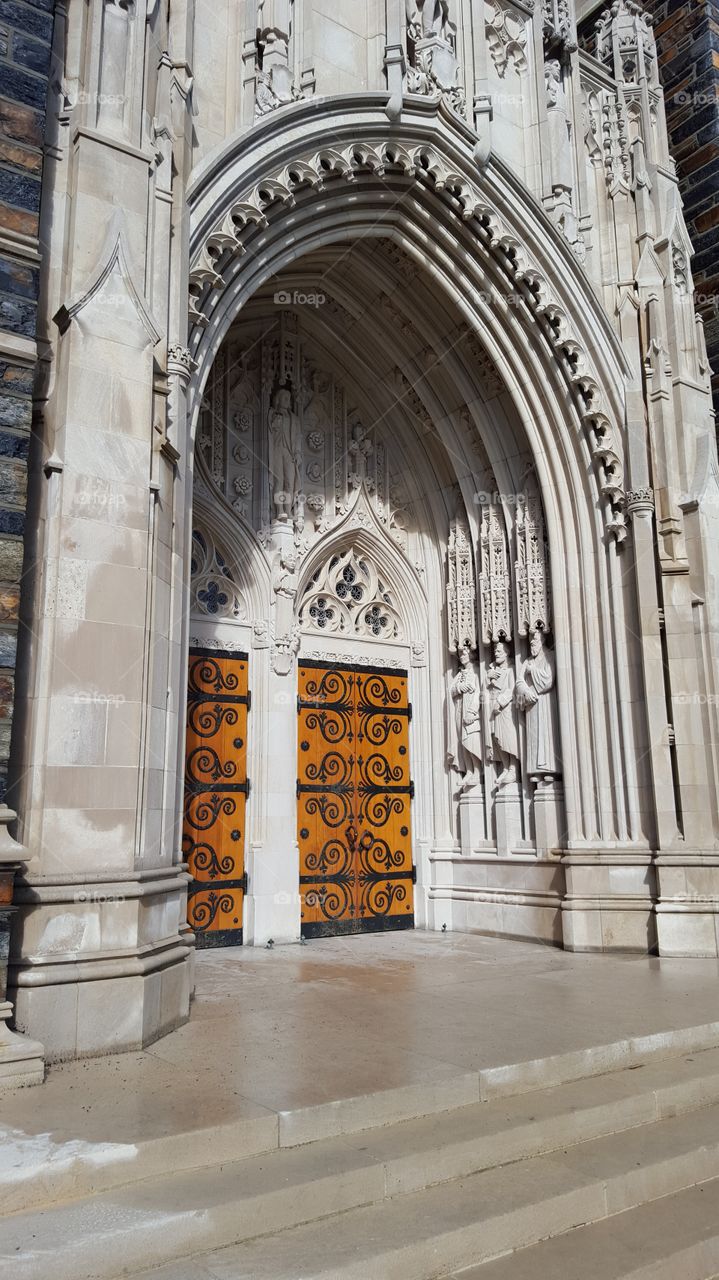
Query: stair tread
x=488, y=1118
x=373, y=1238
x=403, y=1140
x=45, y=1167
x=628, y=1246
x=585, y=1181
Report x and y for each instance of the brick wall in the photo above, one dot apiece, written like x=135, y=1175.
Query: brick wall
x=687, y=33
x=25, y=40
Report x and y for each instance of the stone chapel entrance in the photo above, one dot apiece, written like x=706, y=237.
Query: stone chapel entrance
x=368, y=527
x=353, y=798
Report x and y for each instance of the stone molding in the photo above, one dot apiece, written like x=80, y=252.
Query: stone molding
x=640, y=500
x=503, y=218
x=180, y=362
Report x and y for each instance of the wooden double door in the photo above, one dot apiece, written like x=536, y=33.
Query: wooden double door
x=216, y=789
x=353, y=800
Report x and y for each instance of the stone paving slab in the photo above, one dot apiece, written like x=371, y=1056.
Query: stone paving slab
x=301, y=1027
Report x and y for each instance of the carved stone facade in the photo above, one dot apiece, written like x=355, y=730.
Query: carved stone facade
x=399, y=323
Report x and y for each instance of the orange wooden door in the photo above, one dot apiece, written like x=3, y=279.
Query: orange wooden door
x=216, y=788
x=353, y=800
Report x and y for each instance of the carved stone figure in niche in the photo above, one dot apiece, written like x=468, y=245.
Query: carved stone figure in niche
x=560, y=146
x=433, y=65
x=275, y=85
x=302, y=544
x=427, y=18
x=316, y=413
x=500, y=717
x=265, y=97
x=466, y=728
x=361, y=450
x=285, y=453
x=284, y=586
x=534, y=696
x=284, y=581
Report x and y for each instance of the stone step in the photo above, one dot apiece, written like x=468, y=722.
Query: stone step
x=39, y=1169
x=445, y=1229
x=410, y=1192
x=674, y=1238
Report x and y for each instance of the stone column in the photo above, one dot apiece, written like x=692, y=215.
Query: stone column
x=273, y=903
x=98, y=961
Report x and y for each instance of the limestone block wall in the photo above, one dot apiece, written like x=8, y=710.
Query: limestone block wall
x=26, y=28
x=688, y=42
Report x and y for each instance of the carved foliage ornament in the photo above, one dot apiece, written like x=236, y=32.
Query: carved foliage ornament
x=216, y=263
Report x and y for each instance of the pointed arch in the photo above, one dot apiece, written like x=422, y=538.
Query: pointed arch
x=486, y=250
x=361, y=532
x=247, y=564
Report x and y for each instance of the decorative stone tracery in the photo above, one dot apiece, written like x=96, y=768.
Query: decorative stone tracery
x=494, y=576
x=214, y=591
x=282, y=439
x=532, y=567
x=348, y=597
x=461, y=592
x=506, y=35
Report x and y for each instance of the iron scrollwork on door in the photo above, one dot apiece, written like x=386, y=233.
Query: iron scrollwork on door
x=354, y=794
x=216, y=789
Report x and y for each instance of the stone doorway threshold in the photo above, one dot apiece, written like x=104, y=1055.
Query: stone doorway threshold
x=298, y=1043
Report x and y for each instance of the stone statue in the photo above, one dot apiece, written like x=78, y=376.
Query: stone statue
x=534, y=696
x=284, y=579
x=500, y=722
x=560, y=144
x=466, y=727
x=360, y=450
x=428, y=18
x=285, y=452
x=284, y=586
